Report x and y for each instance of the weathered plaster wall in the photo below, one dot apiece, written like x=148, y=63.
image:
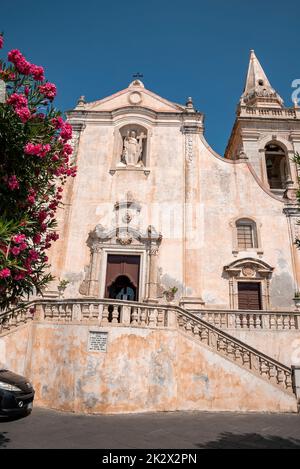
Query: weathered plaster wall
x=229, y=191
x=220, y=192
x=16, y=349
x=283, y=346
x=142, y=370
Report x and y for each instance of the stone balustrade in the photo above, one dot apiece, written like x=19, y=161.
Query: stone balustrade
x=104, y=312
x=254, y=320
x=287, y=113
x=236, y=350
x=16, y=317
x=205, y=326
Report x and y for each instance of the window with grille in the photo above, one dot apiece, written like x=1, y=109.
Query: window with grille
x=246, y=234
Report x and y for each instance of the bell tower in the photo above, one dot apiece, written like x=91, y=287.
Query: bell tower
x=266, y=133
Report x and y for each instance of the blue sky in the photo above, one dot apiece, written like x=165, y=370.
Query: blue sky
x=184, y=48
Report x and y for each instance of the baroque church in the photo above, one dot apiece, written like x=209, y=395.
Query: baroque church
x=154, y=210
x=176, y=269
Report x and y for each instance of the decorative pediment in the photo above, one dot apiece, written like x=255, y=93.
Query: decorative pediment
x=134, y=95
x=249, y=268
x=125, y=229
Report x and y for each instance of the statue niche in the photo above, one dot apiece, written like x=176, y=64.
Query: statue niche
x=134, y=141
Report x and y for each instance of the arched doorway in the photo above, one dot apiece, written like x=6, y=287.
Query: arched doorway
x=122, y=277
x=122, y=289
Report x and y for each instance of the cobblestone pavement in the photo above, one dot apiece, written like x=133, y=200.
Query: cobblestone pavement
x=51, y=429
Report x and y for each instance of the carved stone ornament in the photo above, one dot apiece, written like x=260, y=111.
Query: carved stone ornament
x=248, y=271
x=124, y=238
x=127, y=217
x=249, y=267
x=135, y=98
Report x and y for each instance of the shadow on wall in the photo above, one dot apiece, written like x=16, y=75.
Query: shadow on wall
x=3, y=439
x=250, y=441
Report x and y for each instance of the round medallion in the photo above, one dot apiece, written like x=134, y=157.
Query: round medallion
x=248, y=271
x=135, y=97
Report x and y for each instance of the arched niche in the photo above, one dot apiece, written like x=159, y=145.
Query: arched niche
x=131, y=148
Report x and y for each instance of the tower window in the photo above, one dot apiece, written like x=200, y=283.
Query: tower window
x=276, y=166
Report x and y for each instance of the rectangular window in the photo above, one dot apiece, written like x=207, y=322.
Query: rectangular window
x=245, y=236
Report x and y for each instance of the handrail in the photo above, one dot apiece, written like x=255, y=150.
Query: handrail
x=112, y=312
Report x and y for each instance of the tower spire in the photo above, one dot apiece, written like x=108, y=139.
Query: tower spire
x=258, y=91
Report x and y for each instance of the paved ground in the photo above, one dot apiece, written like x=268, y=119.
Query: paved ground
x=51, y=429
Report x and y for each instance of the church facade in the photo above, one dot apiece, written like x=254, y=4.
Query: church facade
x=154, y=213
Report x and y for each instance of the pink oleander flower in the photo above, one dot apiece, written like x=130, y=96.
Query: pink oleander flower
x=37, y=149
x=48, y=90
x=17, y=100
x=19, y=276
x=19, y=61
x=67, y=149
x=5, y=273
x=37, y=238
x=66, y=132
x=31, y=199
x=1, y=41
x=33, y=255
x=26, y=90
x=23, y=246
x=13, y=183
x=37, y=72
x=23, y=113
x=58, y=122
x=19, y=238
x=15, y=250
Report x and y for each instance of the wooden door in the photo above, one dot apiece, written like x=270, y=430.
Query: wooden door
x=249, y=295
x=122, y=274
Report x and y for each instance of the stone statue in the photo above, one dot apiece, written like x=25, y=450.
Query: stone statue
x=132, y=149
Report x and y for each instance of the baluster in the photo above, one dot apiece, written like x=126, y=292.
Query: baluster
x=251, y=321
x=143, y=316
x=68, y=312
x=95, y=311
x=286, y=322
x=280, y=376
x=48, y=312
x=85, y=311
x=288, y=380
x=115, y=314
x=292, y=322
x=55, y=312
x=279, y=322
x=152, y=317
x=272, y=322
x=258, y=321
x=204, y=335
x=238, y=319
x=134, y=316
x=196, y=330
x=105, y=315
x=266, y=321
x=188, y=326
x=223, y=320
x=160, y=318
x=264, y=367
x=245, y=321
x=232, y=321
x=180, y=320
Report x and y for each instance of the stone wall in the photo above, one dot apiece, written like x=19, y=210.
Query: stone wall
x=142, y=370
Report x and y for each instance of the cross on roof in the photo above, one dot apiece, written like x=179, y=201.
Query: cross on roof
x=138, y=75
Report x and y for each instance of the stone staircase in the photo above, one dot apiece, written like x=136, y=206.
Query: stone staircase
x=114, y=313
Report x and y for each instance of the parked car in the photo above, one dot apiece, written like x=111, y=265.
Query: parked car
x=16, y=394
